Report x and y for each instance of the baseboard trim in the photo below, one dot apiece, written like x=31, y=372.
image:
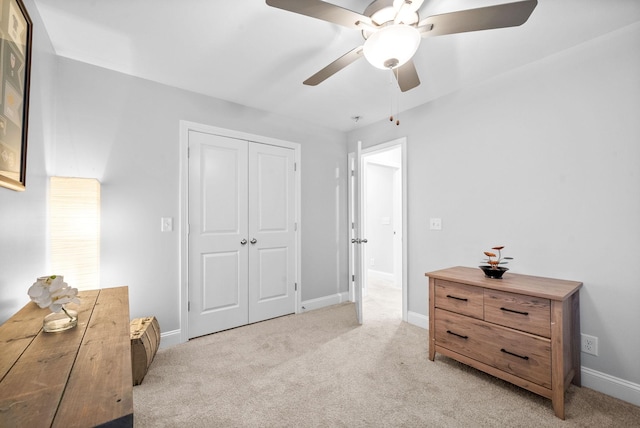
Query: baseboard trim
x=334, y=299
x=611, y=385
x=170, y=338
x=418, y=319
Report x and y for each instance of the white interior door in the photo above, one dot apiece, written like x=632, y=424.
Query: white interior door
x=357, y=185
x=271, y=232
x=358, y=230
x=218, y=230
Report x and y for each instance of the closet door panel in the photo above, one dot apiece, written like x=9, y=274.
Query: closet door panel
x=271, y=232
x=272, y=267
x=221, y=281
x=218, y=207
x=271, y=194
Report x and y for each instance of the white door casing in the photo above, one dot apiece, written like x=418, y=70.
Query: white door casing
x=242, y=246
x=397, y=227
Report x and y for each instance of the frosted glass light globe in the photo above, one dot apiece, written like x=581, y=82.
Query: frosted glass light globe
x=392, y=46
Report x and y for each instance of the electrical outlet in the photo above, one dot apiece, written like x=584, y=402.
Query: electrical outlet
x=589, y=344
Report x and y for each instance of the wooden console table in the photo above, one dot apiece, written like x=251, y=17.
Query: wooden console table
x=76, y=378
x=523, y=329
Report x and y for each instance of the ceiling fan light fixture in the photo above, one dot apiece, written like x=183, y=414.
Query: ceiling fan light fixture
x=387, y=14
x=411, y=5
x=392, y=46
x=383, y=15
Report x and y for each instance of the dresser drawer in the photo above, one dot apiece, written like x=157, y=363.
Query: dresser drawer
x=521, y=354
x=460, y=298
x=526, y=313
x=457, y=333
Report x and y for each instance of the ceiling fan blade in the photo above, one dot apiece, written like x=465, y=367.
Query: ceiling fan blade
x=407, y=76
x=322, y=10
x=334, y=67
x=484, y=18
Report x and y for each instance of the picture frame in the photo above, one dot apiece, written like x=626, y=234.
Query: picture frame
x=15, y=73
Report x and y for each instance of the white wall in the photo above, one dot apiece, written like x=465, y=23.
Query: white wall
x=546, y=161
x=380, y=221
x=23, y=220
x=125, y=132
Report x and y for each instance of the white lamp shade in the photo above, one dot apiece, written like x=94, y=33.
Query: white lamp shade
x=392, y=46
x=74, y=227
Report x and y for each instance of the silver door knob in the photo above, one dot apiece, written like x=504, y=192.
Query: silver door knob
x=243, y=242
x=364, y=241
x=253, y=240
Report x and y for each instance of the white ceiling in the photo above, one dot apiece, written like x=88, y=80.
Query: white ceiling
x=251, y=54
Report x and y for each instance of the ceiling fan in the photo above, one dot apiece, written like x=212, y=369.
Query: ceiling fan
x=392, y=30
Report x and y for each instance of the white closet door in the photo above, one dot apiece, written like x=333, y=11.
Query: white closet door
x=242, y=254
x=271, y=232
x=218, y=226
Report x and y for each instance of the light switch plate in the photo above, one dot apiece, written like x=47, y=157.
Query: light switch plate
x=166, y=224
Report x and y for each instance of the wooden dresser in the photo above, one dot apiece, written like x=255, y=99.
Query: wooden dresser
x=75, y=378
x=522, y=329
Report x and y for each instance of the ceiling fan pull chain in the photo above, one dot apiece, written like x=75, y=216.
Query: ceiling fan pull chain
x=397, y=93
x=391, y=88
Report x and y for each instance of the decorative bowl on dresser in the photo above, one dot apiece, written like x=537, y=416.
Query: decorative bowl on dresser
x=522, y=329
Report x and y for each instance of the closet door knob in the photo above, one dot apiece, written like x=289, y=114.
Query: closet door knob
x=253, y=240
x=243, y=242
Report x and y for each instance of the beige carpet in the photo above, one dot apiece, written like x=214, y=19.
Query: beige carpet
x=321, y=369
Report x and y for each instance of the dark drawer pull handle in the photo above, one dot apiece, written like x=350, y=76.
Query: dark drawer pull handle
x=459, y=335
x=457, y=298
x=514, y=311
x=515, y=355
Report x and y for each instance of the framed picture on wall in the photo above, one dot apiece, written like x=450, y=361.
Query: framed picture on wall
x=15, y=71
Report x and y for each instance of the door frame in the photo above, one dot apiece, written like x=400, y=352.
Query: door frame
x=370, y=150
x=183, y=222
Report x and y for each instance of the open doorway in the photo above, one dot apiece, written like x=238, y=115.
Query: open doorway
x=382, y=187
x=383, y=257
